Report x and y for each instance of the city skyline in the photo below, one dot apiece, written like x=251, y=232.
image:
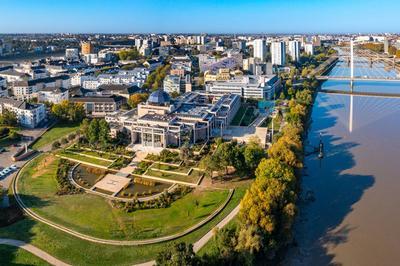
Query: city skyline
x=262, y=17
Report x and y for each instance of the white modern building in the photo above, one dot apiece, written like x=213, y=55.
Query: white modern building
x=28, y=115
x=172, y=84
x=278, y=53
x=259, y=49
x=53, y=95
x=162, y=123
x=256, y=87
x=294, y=50
x=309, y=48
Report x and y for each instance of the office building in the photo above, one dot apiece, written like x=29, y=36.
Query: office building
x=250, y=86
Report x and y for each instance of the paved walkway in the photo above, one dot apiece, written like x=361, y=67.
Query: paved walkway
x=34, y=250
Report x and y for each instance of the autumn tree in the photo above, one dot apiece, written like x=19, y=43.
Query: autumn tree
x=137, y=98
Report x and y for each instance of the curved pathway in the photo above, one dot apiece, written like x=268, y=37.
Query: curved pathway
x=35, y=216
x=34, y=250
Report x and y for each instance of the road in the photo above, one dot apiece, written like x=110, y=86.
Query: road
x=34, y=250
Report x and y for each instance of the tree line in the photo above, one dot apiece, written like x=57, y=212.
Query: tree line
x=268, y=208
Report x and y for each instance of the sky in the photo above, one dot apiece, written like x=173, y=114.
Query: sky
x=199, y=16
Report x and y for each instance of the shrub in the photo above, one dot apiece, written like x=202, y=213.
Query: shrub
x=64, y=141
x=55, y=145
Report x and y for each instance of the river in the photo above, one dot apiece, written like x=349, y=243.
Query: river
x=354, y=219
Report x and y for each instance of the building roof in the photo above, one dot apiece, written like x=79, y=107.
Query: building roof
x=159, y=97
x=97, y=99
x=54, y=89
x=18, y=104
x=121, y=88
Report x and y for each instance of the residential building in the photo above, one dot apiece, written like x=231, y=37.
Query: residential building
x=259, y=49
x=309, y=48
x=53, y=95
x=172, y=84
x=294, y=50
x=99, y=105
x=72, y=54
x=278, y=53
x=87, y=48
x=28, y=115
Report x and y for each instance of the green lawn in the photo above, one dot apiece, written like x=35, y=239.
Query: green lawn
x=180, y=169
x=210, y=247
x=192, y=178
x=57, y=132
x=11, y=256
x=93, y=215
x=82, y=158
x=79, y=252
x=94, y=153
x=239, y=115
x=248, y=117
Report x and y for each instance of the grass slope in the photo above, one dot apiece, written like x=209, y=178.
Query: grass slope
x=57, y=132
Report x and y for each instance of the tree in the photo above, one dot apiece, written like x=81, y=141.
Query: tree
x=55, y=145
x=104, y=132
x=131, y=54
x=263, y=207
x=253, y=153
x=273, y=168
x=185, y=152
x=178, y=255
x=209, y=164
x=93, y=132
x=250, y=239
x=8, y=118
x=226, y=242
x=68, y=111
x=137, y=98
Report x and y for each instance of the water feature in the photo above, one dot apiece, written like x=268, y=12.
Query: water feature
x=354, y=219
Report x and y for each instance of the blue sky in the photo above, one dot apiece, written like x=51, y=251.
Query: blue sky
x=196, y=16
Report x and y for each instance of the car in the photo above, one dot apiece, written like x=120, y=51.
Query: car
x=6, y=170
x=14, y=167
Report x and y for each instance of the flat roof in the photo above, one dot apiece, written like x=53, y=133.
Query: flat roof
x=112, y=183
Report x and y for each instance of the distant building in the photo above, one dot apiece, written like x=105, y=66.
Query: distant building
x=294, y=50
x=28, y=115
x=316, y=40
x=309, y=48
x=386, y=45
x=172, y=84
x=72, y=54
x=278, y=53
x=256, y=87
x=53, y=95
x=87, y=48
x=259, y=49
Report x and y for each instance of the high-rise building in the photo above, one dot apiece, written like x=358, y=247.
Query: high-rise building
x=386, y=45
x=259, y=49
x=316, y=41
x=87, y=48
x=278, y=53
x=294, y=50
x=309, y=48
